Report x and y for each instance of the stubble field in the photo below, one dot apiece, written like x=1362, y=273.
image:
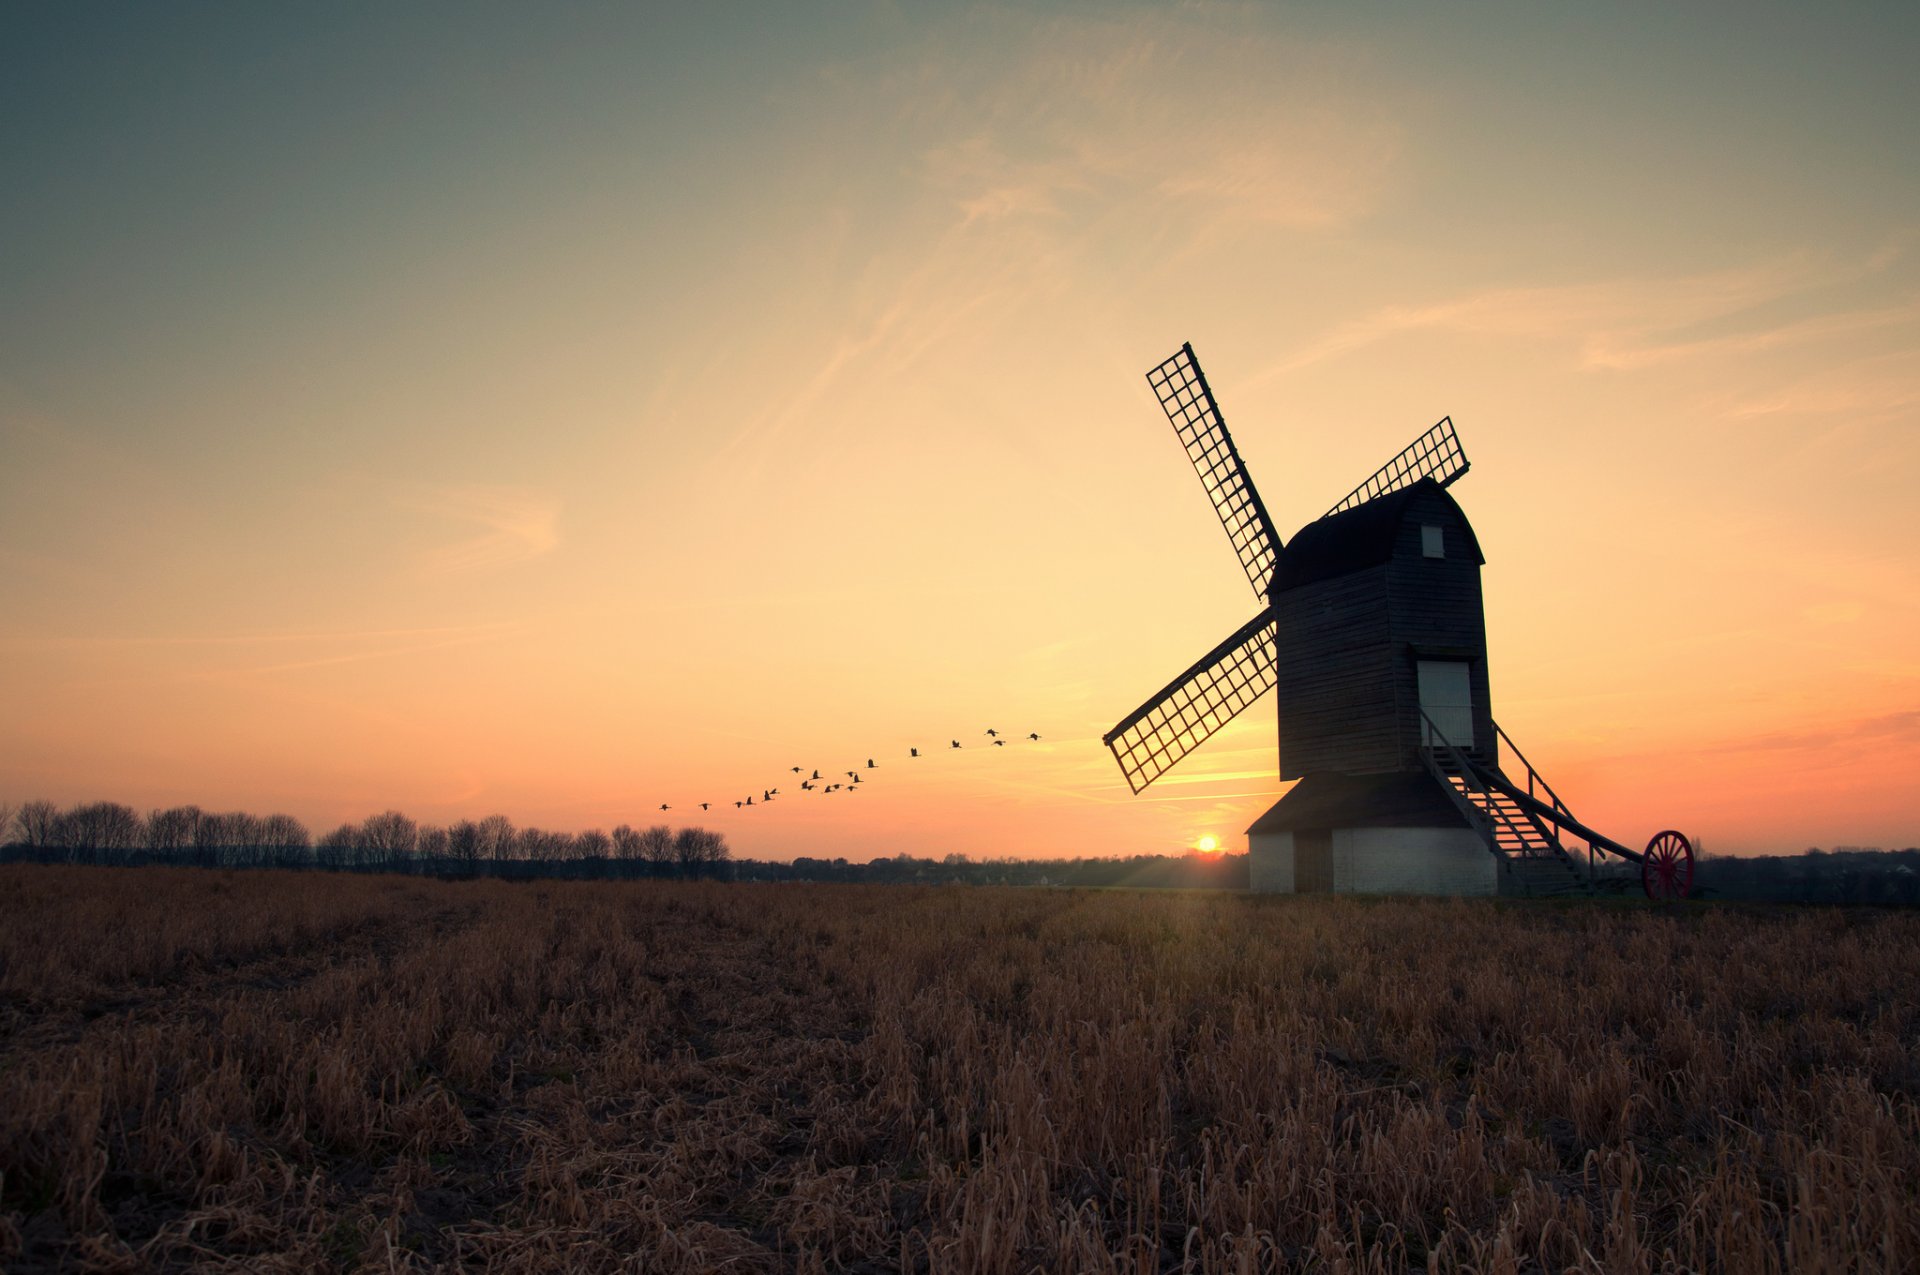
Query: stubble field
x=299, y=1071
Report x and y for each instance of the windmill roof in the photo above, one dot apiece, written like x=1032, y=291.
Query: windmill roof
x=1399, y=799
x=1356, y=538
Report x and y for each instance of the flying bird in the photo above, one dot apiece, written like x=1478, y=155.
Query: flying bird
x=663, y=805
x=736, y=805
x=816, y=774
x=872, y=765
x=796, y=770
x=999, y=743
x=913, y=752
x=992, y=731
x=853, y=774
x=956, y=743
x=703, y=805
x=1033, y=737
x=749, y=801
x=805, y=786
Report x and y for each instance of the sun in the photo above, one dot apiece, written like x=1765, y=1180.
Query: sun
x=1207, y=844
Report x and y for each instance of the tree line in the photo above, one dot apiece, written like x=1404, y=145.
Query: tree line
x=1845, y=874
x=110, y=833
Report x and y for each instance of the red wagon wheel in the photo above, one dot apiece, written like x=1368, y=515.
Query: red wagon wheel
x=1667, y=870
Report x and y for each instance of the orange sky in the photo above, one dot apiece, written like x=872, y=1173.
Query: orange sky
x=469, y=416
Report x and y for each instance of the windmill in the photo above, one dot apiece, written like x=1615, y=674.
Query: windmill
x=1372, y=632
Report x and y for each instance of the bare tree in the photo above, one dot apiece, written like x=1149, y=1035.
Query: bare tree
x=339, y=848
x=117, y=830
x=246, y=840
x=626, y=843
x=35, y=820
x=386, y=839
x=656, y=847
x=496, y=838
x=463, y=843
x=713, y=851
x=592, y=844
x=170, y=832
x=211, y=838
x=68, y=834
x=285, y=839
x=224, y=840
x=433, y=844
x=536, y=845
x=98, y=832
x=691, y=852
x=6, y=823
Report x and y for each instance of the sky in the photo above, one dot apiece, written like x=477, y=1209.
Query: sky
x=565, y=412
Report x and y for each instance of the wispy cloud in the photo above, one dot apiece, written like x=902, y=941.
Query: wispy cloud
x=1218, y=777
x=1630, y=352
x=1206, y=112
x=453, y=638
x=505, y=526
x=1636, y=323
x=1865, y=389
x=265, y=638
x=1128, y=142
x=1870, y=732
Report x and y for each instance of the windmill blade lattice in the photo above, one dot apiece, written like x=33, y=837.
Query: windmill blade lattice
x=1182, y=390
x=1436, y=454
x=1154, y=737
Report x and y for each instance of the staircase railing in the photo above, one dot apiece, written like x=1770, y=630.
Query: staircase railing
x=1537, y=784
x=1534, y=778
x=1491, y=780
x=1488, y=812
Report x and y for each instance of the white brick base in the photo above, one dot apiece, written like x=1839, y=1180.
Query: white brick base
x=1384, y=861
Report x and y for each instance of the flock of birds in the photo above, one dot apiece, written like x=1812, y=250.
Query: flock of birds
x=816, y=783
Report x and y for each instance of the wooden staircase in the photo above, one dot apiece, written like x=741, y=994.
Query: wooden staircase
x=1522, y=830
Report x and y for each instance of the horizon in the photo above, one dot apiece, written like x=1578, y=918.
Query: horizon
x=561, y=416
x=1208, y=847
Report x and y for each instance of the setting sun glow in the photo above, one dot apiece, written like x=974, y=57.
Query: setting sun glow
x=1207, y=844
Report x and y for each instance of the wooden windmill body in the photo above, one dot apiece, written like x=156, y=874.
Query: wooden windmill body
x=1374, y=636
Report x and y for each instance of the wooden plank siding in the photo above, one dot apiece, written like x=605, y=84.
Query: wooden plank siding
x=1436, y=613
x=1348, y=648
x=1336, y=677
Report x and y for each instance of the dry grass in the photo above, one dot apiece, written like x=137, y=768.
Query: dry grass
x=270, y=1071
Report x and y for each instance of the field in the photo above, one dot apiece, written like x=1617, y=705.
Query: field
x=297, y=1071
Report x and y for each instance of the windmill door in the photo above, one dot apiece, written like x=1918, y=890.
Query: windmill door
x=1312, y=860
x=1446, y=696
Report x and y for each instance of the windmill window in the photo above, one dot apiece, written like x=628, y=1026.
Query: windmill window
x=1432, y=542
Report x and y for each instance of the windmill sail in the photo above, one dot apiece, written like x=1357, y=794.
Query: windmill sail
x=1182, y=390
x=1151, y=739
x=1436, y=454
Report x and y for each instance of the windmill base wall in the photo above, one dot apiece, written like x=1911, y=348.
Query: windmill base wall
x=1449, y=861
